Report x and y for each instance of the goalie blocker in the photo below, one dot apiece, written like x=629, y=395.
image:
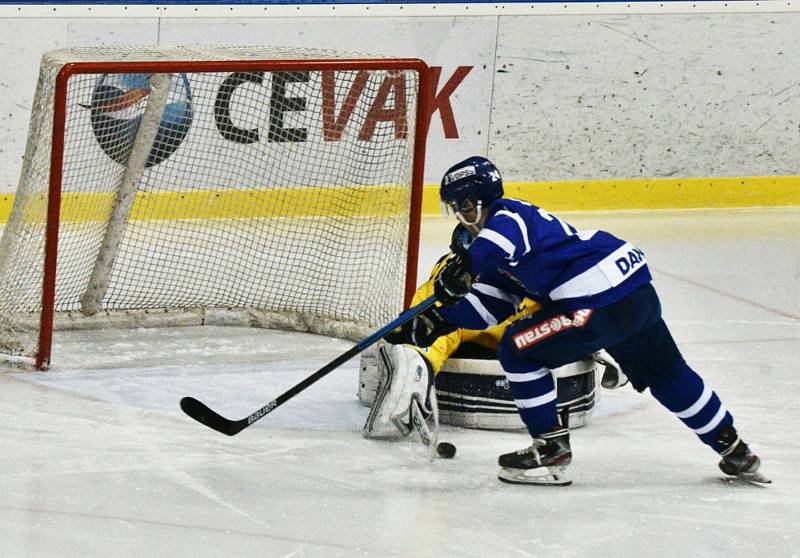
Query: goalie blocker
x=474, y=393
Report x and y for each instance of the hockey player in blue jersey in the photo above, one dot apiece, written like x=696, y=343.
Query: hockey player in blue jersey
x=595, y=290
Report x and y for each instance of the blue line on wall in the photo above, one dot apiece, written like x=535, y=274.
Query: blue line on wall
x=313, y=2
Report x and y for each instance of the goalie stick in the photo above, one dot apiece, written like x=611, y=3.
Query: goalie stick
x=429, y=438
x=200, y=412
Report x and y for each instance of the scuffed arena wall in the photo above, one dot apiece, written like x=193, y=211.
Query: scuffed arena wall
x=582, y=106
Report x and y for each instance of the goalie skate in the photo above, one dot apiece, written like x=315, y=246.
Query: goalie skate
x=544, y=463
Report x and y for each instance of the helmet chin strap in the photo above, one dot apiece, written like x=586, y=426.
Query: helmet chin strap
x=478, y=214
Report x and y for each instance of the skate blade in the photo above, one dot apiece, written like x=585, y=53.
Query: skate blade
x=758, y=477
x=540, y=476
x=746, y=478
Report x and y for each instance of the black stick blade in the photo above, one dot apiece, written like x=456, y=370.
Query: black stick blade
x=200, y=412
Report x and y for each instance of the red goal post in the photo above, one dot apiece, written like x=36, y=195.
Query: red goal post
x=190, y=207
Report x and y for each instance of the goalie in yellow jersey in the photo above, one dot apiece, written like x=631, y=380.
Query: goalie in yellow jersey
x=470, y=386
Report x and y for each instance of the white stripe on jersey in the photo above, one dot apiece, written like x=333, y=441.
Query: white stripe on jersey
x=604, y=275
x=496, y=238
x=522, y=229
x=476, y=303
x=535, y=401
x=494, y=292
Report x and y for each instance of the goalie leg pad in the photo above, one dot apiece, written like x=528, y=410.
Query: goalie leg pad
x=474, y=393
x=404, y=375
x=369, y=376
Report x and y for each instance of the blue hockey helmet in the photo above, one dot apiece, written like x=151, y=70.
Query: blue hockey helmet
x=475, y=180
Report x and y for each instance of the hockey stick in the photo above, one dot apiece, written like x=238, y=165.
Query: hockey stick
x=200, y=412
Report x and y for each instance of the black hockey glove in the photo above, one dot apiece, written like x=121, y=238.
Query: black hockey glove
x=454, y=281
x=422, y=330
x=460, y=241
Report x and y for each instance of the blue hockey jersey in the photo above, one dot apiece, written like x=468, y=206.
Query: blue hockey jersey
x=525, y=251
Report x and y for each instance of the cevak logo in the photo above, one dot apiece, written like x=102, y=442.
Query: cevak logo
x=117, y=106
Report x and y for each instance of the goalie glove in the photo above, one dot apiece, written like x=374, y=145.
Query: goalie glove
x=454, y=280
x=613, y=376
x=422, y=330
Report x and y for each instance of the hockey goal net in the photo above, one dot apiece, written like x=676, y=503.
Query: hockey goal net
x=274, y=187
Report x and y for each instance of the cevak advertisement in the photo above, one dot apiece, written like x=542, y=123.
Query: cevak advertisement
x=460, y=52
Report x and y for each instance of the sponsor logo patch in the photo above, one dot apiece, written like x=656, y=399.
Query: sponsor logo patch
x=547, y=328
x=459, y=174
x=117, y=107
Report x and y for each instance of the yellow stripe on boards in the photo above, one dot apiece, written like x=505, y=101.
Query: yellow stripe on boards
x=6, y=203
x=648, y=193
x=352, y=201
x=568, y=195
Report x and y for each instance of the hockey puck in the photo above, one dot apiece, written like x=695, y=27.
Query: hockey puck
x=446, y=450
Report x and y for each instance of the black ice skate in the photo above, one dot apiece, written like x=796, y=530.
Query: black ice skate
x=737, y=459
x=544, y=463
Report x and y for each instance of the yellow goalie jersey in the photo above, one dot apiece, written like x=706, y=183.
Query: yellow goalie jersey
x=446, y=345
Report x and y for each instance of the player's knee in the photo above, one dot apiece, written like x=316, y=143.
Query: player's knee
x=650, y=358
x=655, y=372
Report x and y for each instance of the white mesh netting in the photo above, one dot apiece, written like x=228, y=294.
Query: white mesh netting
x=276, y=192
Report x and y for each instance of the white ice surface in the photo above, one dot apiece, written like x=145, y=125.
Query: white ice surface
x=97, y=460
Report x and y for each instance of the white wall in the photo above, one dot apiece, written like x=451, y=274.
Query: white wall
x=641, y=96
x=622, y=94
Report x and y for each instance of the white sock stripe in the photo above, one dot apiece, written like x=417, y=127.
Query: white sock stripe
x=496, y=238
x=698, y=405
x=713, y=423
x=476, y=303
x=535, y=401
x=527, y=376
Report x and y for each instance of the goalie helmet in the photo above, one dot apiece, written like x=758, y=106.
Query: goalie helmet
x=475, y=180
